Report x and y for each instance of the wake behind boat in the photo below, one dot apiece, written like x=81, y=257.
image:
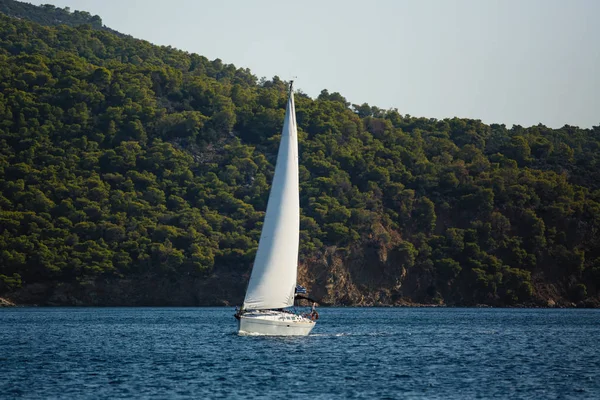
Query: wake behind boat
x=272, y=286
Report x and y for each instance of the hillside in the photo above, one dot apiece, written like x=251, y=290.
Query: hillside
x=133, y=174
x=50, y=15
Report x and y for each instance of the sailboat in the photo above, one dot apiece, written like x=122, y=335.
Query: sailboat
x=272, y=285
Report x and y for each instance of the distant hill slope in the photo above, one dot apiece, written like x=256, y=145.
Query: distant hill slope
x=50, y=15
x=135, y=174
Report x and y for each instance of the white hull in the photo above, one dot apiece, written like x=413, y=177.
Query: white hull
x=274, y=323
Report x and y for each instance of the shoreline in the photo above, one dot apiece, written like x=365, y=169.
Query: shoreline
x=5, y=303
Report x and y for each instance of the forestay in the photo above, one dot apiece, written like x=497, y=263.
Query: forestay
x=273, y=278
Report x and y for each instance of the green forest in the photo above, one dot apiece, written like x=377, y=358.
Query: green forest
x=119, y=158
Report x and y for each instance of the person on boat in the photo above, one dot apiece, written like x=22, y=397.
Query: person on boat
x=314, y=315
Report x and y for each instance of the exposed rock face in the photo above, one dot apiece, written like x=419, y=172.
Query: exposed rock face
x=6, y=303
x=338, y=280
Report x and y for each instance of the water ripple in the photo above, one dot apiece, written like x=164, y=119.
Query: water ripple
x=351, y=354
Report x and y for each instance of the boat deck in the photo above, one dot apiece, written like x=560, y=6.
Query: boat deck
x=280, y=316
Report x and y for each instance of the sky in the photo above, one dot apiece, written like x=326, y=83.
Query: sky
x=520, y=62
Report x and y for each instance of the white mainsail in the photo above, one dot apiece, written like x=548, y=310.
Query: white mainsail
x=274, y=273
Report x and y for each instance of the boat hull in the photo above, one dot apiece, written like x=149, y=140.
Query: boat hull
x=271, y=323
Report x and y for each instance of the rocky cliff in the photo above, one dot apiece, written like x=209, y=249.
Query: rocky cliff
x=337, y=277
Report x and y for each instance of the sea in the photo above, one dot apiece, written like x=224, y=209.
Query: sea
x=352, y=353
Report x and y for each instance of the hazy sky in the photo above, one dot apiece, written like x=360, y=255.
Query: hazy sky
x=501, y=61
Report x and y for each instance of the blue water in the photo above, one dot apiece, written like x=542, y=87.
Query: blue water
x=365, y=353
